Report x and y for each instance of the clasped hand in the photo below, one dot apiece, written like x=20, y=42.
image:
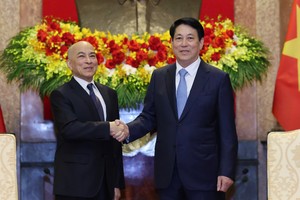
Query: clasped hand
x=119, y=130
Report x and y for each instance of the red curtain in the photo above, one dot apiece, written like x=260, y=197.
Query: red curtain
x=2, y=124
x=63, y=9
x=214, y=8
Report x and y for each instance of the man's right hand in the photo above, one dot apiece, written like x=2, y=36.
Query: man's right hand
x=119, y=130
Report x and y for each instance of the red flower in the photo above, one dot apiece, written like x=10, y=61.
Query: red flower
x=154, y=42
x=171, y=60
x=132, y=62
x=55, y=40
x=68, y=38
x=162, y=47
x=133, y=45
x=91, y=40
x=215, y=56
x=100, y=58
x=208, y=31
x=63, y=49
x=49, y=51
x=218, y=42
x=220, y=26
x=212, y=36
x=53, y=44
x=207, y=40
x=104, y=39
x=48, y=19
x=53, y=26
x=141, y=55
x=113, y=46
x=161, y=56
x=203, y=50
x=42, y=35
x=110, y=64
x=118, y=57
x=125, y=41
x=230, y=33
x=145, y=46
x=152, y=61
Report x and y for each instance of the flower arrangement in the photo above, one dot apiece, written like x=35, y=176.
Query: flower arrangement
x=36, y=57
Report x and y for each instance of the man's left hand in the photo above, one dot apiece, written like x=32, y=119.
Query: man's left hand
x=117, y=195
x=224, y=183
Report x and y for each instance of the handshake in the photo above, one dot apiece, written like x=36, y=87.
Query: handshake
x=119, y=130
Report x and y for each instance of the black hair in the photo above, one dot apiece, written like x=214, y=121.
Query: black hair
x=192, y=22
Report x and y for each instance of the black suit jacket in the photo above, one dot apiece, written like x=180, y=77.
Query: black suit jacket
x=203, y=141
x=85, y=150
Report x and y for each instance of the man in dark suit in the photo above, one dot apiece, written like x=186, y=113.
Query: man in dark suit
x=88, y=162
x=196, y=151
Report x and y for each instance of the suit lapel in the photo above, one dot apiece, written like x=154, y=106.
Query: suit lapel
x=81, y=93
x=198, y=86
x=171, y=89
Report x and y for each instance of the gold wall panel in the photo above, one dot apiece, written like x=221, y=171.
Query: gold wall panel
x=110, y=16
x=30, y=12
x=9, y=97
x=246, y=120
x=268, y=26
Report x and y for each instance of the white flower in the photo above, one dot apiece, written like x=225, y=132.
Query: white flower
x=111, y=72
x=129, y=69
x=149, y=68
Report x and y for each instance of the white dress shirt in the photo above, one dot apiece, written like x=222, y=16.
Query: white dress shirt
x=84, y=84
x=190, y=76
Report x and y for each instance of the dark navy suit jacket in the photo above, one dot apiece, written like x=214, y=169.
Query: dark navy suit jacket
x=203, y=141
x=85, y=150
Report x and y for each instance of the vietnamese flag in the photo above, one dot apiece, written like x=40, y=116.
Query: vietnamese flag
x=286, y=102
x=2, y=125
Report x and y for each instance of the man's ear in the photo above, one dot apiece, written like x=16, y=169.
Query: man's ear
x=201, y=42
x=69, y=63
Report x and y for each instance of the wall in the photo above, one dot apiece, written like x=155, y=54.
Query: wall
x=150, y=17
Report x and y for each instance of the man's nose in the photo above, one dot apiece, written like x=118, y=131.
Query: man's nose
x=88, y=59
x=184, y=42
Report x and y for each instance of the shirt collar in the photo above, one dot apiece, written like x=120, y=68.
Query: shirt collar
x=83, y=83
x=191, y=69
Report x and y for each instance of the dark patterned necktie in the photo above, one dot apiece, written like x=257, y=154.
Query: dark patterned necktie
x=96, y=101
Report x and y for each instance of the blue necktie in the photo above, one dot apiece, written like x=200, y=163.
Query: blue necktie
x=96, y=101
x=181, y=92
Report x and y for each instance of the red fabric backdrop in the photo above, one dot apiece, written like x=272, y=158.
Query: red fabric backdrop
x=213, y=8
x=67, y=10
x=2, y=124
x=64, y=9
